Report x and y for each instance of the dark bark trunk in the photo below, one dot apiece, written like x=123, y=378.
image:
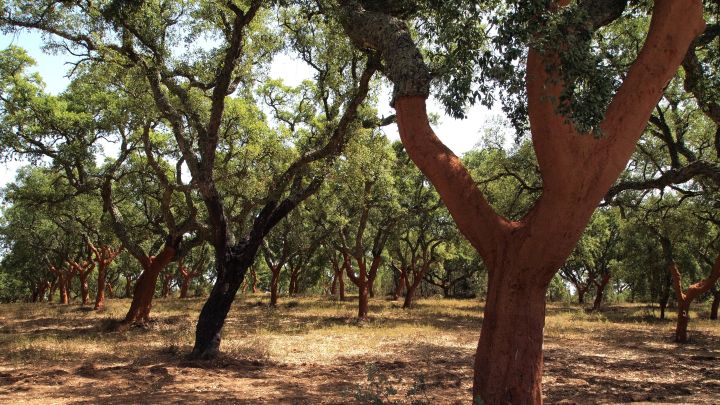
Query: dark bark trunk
x=341, y=286
x=581, y=295
x=715, y=305
x=231, y=273
x=333, y=286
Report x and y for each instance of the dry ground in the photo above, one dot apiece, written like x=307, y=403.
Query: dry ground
x=311, y=351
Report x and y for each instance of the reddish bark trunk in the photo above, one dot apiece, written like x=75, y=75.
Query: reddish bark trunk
x=577, y=171
x=103, y=257
x=600, y=292
x=144, y=291
x=64, y=293
x=363, y=300
x=683, y=318
x=685, y=298
x=363, y=280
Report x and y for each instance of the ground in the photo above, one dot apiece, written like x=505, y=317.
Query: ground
x=312, y=351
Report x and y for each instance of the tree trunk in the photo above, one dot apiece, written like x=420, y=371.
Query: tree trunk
x=231, y=272
x=683, y=317
x=333, y=286
x=101, y=285
x=274, y=281
x=184, y=286
x=409, y=296
x=341, y=286
x=399, y=287
x=84, y=288
x=128, y=286
x=715, y=305
x=600, y=292
x=664, y=298
x=509, y=360
x=363, y=293
x=581, y=295
x=64, y=283
x=166, y=286
x=293, y=282
x=144, y=291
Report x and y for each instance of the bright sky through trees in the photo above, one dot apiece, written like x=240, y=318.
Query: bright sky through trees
x=458, y=135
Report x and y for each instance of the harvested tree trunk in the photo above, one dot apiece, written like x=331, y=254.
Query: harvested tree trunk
x=577, y=171
x=144, y=290
x=103, y=257
x=685, y=298
x=600, y=291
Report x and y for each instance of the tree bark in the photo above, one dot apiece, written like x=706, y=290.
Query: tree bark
x=128, y=286
x=232, y=266
x=274, y=284
x=715, y=305
x=144, y=290
x=363, y=299
x=600, y=291
x=101, y=285
x=581, y=294
x=683, y=318
x=407, y=303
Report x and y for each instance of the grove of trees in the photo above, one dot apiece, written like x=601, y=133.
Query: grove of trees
x=173, y=164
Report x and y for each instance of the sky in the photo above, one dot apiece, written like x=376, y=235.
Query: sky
x=459, y=135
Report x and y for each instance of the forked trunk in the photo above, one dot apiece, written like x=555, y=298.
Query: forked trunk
x=144, y=291
x=600, y=292
x=509, y=360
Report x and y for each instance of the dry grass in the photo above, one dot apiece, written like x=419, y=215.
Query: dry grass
x=311, y=350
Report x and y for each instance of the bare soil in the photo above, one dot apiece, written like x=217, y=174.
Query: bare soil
x=312, y=351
